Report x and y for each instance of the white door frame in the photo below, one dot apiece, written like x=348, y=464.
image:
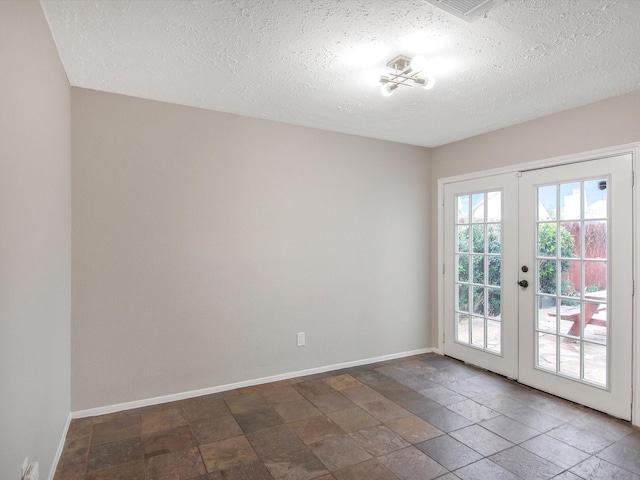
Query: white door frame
x=634, y=150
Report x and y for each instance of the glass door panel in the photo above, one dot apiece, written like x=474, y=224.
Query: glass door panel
x=568, y=336
x=571, y=289
x=478, y=274
x=481, y=311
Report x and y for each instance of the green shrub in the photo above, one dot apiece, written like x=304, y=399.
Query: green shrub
x=547, y=247
x=548, y=275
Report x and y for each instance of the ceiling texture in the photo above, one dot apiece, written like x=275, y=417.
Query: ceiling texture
x=317, y=62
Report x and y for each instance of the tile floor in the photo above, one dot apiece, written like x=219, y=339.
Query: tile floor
x=421, y=417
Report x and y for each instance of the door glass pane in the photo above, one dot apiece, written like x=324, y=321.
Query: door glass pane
x=478, y=238
x=571, y=272
x=463, y=268
x=595, y=277
x=494, y=238
x=478, y=300
x=547, y=203
x=571, y=278
x=547, y=314
x=595, y=239
x=463, y=239
x=478, y=207
x=493, y=302
x=570, y=238
x=494, y=206
x=495, y=266
x=494, y=332
x=595, y=363
x=595, y=198
x=478, y=268
x=596, y=330
x=547, y=239
x=462, y=328
x=570, y=315
x=463, y=298
x=462, y=203
x=477, y=332
x=478, y=307
x=547, y=276
x=547, y=351
x=570, y=205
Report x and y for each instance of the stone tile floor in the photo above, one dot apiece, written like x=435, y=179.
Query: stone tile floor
x=422, y=417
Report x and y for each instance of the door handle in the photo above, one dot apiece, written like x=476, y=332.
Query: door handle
x=523, y=283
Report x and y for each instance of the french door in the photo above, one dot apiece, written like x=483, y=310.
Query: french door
x=538, y=279
x=481, y=307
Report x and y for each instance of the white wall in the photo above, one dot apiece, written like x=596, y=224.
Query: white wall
x=202, y=242
x=608, y=123
x=34, y=240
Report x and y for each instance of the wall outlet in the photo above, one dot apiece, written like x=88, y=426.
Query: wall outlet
x=301, y=339
x=33, y=472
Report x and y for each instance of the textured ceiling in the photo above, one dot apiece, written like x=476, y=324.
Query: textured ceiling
x=311, y=62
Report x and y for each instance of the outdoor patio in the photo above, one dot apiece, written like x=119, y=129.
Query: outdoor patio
x=594, y=342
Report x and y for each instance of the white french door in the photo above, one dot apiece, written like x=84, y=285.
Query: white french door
x=538, y=280
x=481, y=308
x=576, y=315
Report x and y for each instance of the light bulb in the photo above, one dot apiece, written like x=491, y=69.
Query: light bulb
x=428, y=85
x=387, y=89
x=418, y=64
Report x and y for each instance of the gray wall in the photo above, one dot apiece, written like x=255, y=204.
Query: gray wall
x=34, y=240
x=202, y=242
x=599, y=125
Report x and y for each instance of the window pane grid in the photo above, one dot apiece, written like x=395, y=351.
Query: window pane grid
x=571, y=280
x=478, y=250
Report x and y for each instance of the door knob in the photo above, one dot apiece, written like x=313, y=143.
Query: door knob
x=523, y=283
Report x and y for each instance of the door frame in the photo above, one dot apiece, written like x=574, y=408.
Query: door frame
x=634, y=150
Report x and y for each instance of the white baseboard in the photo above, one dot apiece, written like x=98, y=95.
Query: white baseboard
x=56, y=458
x=91, y=412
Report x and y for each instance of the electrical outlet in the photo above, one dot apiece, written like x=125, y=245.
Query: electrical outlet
x=301, y=339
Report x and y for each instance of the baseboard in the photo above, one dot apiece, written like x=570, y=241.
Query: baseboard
x=56, y=458
x=91, y=412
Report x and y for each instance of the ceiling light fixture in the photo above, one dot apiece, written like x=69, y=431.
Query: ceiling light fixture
x=408, y=72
